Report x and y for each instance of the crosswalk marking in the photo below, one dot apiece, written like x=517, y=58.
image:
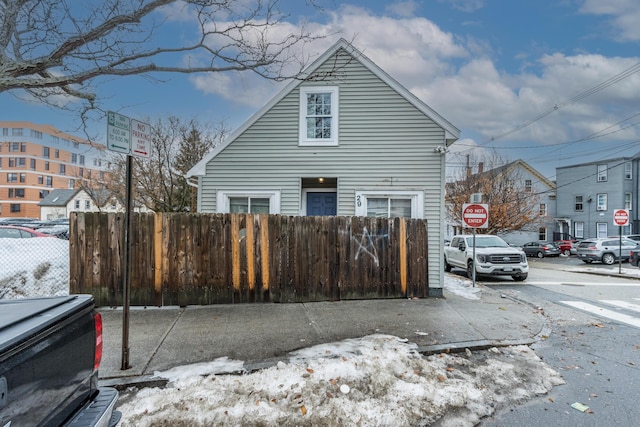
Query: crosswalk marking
x=613, y=315
x=622, y=304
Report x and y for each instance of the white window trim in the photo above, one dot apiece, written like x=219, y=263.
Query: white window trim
x=417, y=200
x=599, y=206
x=303, y=140
x=602, y=173
x=628, y=170
x=222, y=199
x=628, y=203
x=578, y=230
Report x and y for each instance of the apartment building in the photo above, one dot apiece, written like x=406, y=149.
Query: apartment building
x=36, y=159
x=589, y=193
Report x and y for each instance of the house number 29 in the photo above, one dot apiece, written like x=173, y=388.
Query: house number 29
x=358, y=200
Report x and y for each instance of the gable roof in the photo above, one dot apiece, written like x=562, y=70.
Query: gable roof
x=58, y=198
x=451, y=132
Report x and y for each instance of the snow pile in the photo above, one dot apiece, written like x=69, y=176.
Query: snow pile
x=461, y=286
x=34, y=267
x=375, y=380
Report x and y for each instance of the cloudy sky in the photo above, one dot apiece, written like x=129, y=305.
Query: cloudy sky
x=554, y=82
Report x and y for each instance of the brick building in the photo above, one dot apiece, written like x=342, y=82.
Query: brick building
x=36, y=159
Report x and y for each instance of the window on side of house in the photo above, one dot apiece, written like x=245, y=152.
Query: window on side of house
x=578, y=230
x=579, y=206
x=254, y=205
x=601, y=202
x=381, y=204
x=15, y=207
x=87, y=204
x=318, y=115
x=543, y=209
x=76, y=204
x=601, y=230
x=628, y=170
x=542, y=234
x=528, y=186
x=12, y=177
x=49, y=181
x=45, y=152
x=627, y=201
x=602, y=173
x=258, y=202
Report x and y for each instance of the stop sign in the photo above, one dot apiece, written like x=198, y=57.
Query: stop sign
x=475, y=215
x=621, y=217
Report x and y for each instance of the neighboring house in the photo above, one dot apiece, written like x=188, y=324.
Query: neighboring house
x=346, y=140
x=589, y=193
x=534, y=183
x=60, y=203
x=545, y=190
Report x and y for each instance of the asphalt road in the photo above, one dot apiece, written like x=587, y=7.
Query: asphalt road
x=594, y=342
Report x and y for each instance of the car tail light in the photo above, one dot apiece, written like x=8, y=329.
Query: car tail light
x=98, y=353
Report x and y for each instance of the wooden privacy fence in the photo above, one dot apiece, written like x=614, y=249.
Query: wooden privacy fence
x=182, y=259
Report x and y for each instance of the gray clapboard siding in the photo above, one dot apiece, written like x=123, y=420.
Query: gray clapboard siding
x=385, y=143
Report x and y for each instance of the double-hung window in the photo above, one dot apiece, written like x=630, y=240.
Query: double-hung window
x=602, y=173
x=601, y=202
x=318, y=115
x=579, y=206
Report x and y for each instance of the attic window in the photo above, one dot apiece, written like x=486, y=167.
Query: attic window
x=319, y=115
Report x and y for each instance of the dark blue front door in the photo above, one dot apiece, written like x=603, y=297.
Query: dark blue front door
x=321, y=204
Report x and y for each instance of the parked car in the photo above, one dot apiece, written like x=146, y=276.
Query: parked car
x=606, y=250
x=541, y=249
x=567, y=247
x=16, y=232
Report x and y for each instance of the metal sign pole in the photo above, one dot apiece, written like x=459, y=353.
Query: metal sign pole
x=473, y=260
x=620, y=253
x=126, y=270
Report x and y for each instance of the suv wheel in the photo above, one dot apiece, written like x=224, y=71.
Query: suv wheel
x=447, y=266
x=608, y=259
x=540, y=254
x=567, y=252
x=470, y=270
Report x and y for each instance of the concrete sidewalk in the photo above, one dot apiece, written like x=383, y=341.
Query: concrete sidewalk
x=262, y=334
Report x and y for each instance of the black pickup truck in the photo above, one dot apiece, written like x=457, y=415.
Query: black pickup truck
x=50, y=350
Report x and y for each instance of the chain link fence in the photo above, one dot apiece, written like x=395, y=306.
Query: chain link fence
x=34, y=267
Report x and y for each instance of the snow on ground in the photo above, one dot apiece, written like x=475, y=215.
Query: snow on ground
x=377, y=380
x=34, y=267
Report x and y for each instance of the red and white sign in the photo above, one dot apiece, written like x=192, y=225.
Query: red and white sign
x=475, y=215
x=621, y=217
x=140, y=139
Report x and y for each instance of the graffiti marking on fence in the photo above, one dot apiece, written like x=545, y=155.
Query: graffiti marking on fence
x=367, y=244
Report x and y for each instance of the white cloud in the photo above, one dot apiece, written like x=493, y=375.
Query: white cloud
x=625, y=15
x=458, y=77
x=402, y=8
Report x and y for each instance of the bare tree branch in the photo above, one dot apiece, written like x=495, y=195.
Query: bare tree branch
x=54, y=47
